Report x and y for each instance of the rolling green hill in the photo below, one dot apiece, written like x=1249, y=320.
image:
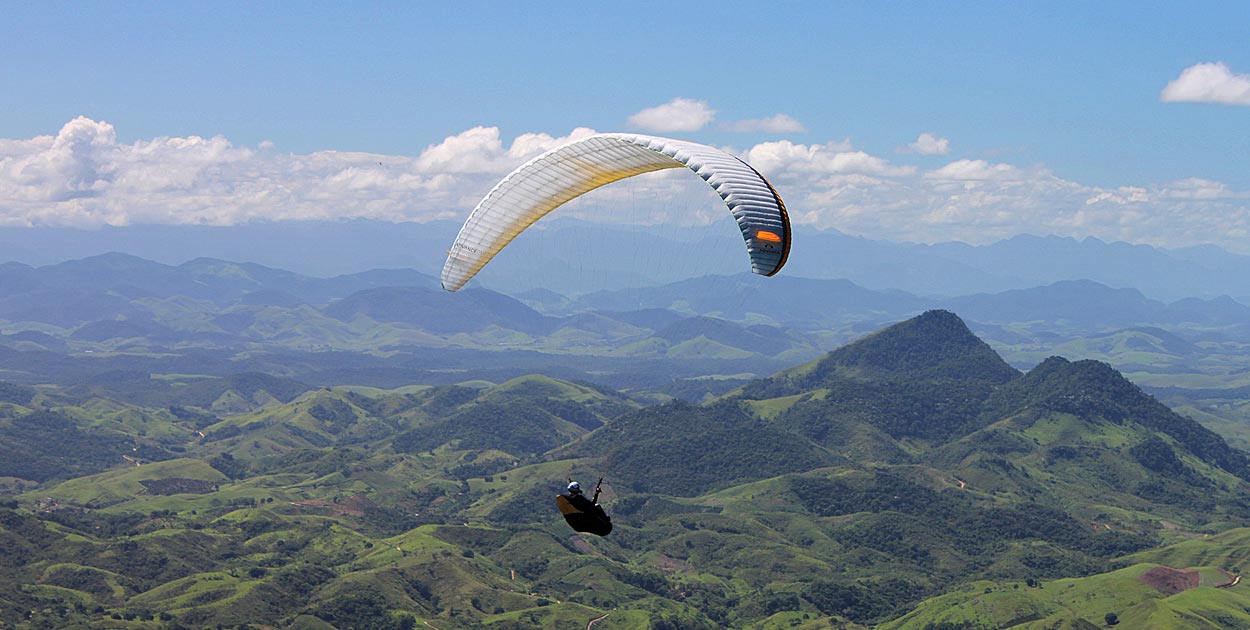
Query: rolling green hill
x=912, y=479
x=1193, y=584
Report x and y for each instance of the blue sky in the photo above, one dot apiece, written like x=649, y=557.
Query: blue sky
x=1042, y=106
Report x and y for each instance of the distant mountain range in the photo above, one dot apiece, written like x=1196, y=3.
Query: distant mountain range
x=114, y=286
x=808, y=303
x=574, y=257
x=217, y=281
x=949, y=269
x=122, y=303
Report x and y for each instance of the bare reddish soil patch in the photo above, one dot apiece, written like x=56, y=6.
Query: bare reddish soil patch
x=1170, y=581
x=665, y=563
x=583, y=546
x=351, y=506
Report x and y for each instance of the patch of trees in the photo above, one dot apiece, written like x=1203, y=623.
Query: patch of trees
x=862, y=601
x=1173, y=492
x=580, y=414
x=93, y=523
x=938, y=410
x=226, y=464
x=1157, y=456
x=651, y=581
x=336, y=414
x=16, y=394
x=46, y=445
x=874, y=492
x=912, y=523
x=385, y=521
x=146, y=565
x=686, y=450
x=23, y=538
x=225, y=433
x=482, y=540
x=178, y=485
x=441, y=400
x=300, y=579
x=196, y=417
x=532, y=505
x=519, y=428
x=362, y=608
x=469, y=470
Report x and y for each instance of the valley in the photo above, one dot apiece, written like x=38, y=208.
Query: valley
x=845, y=492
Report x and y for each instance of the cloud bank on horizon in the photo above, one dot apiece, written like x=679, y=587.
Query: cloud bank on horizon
x=84, y=177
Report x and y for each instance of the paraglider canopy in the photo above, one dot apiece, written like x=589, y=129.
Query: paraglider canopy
x=569, y=171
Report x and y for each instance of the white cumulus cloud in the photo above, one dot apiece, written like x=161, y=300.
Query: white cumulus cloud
x=482, y=150
x=779, y=123
x=83, y=176
x=679, y=114
x=1198, y=188
x=978, y=201
x=786, y=157
x=929, y=144
x=974, y=170
x=1208, y=83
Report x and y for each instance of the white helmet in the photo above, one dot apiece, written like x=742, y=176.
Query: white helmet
x=575, y=487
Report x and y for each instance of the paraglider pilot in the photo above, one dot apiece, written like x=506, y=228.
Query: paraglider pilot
x=582, y=514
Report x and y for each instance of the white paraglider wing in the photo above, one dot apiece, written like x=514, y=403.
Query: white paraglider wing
x=562, y=174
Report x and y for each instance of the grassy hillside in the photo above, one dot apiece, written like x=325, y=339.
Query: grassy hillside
x=1193, y=584
x=910, y=480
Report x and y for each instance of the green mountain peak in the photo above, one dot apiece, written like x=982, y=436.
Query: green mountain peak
x=936, y=344
x=934, y=349
x=1093, y=389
